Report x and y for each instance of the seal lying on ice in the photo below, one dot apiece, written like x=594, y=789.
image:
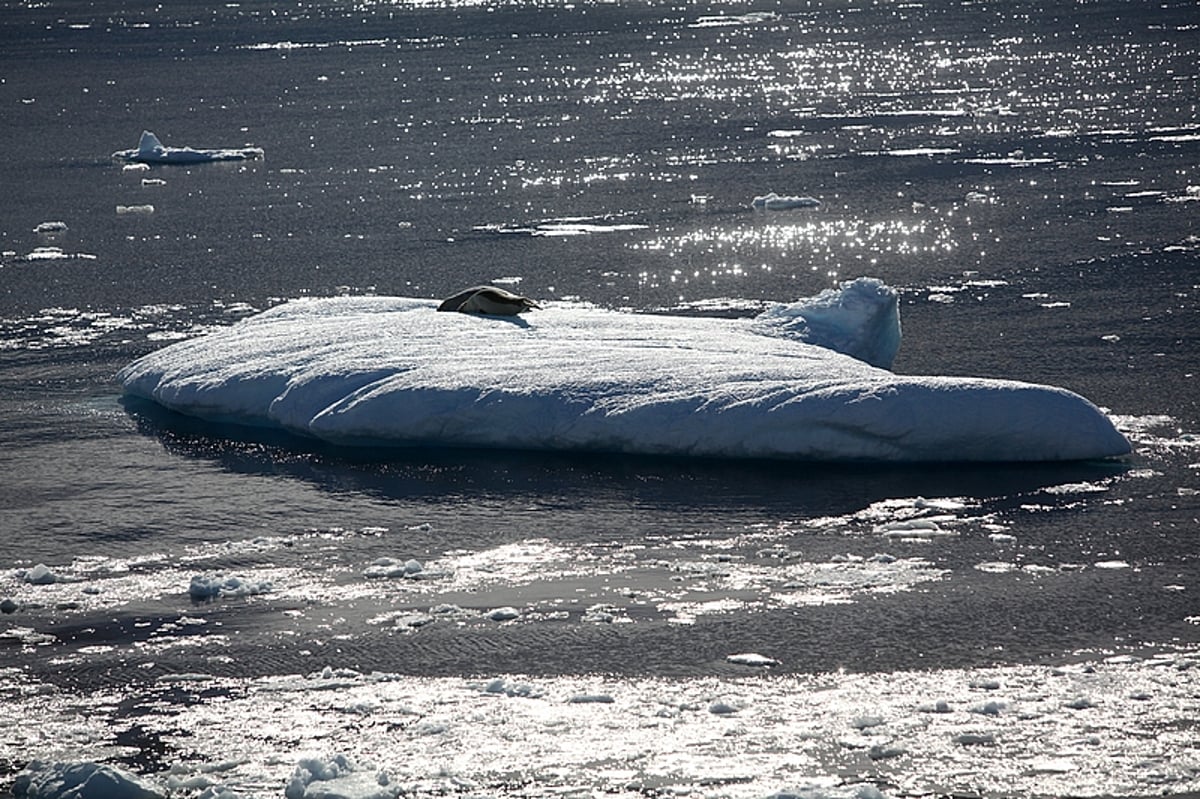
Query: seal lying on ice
x=488, y=300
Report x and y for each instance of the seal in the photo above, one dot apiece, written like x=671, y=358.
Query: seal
x=488, y=300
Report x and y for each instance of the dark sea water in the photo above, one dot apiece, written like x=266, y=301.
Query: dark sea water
x=1027, y=175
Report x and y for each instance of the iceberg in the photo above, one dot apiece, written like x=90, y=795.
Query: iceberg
x=392, y=371
x=151, y=151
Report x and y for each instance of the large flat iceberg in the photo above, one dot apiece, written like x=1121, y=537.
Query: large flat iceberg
x=390, y=371
x=152, y=151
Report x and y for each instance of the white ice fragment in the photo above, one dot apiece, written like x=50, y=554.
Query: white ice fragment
x=137, y=210
x=502, y=686
x=722, y=708
x=46, y=228
x=1112, y=564
x=40, y=575
x=752, y=659
x=209, y=586
x=975, y=738
x=591, y=699
x=986, y=684
x=776, y=202
x=885, y=752
x=1002, y=538
x=507, y=613
x=1080, y=703
x=339, y=778
x=913, y=528
x=82, y=780
x=388, y=567
x=940, y=706
x=992, y=708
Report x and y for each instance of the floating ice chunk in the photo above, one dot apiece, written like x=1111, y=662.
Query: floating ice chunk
x=940, y=706
x=775, y=202
x=913, y=528
x=502, y=686
x=752, y=659
x=386, y=371
x=1080, y=703
x=591, y=699
x=209, y=586
x=42, y=780
x=50, y=228
x=992, y=708
x=339, y=778
x=135, y=210
x=1112, y=564
x=721, y=708
x=975, y=738
x=40, y=575
x=387, y=567
x=56, y=254
x=504, y=614
x=151, y=150
x=27, y=636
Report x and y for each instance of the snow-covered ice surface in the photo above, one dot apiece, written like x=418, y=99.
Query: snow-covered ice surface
x=381, y=371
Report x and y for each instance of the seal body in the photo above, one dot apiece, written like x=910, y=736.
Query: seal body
x=487, y=300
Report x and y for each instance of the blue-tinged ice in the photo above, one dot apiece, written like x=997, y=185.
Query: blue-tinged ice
x=151, y=151
x=392, y=371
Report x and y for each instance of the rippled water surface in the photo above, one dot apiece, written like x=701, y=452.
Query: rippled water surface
x=206, y=606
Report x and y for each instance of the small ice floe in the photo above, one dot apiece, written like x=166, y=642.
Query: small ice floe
x=153, y=182
x=390, y=567
x=915, y=529
x=590, y=699
x=885, y=752
x=150, y=150
x=339, y=776
x=992, y=708
x=135, y=210
x=940, y=706
x=50, y=228
x=211, y=586
x=985, y=684
x=866, y=722
x=507, y=613
x=723, y=708
x=26, y=636
x=975, y=739
x=56, y=254
x=600, y=614
x=752, y=659
x=507, y=688
x=83, y=780
x=39, y=575
x=776, y=202
x=1080, y=703
x=1112, y=564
